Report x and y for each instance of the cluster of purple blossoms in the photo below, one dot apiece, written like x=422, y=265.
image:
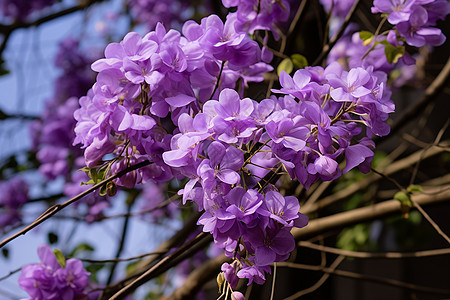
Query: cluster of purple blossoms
x=413, y=20
x=351, y=52
x=254, y=15
x=14, y=193
x=171, y=100
x=22, y=9
x=338, y=8
x=150, y=12
x=145, y=84
x=49, y=280
x=53, y=133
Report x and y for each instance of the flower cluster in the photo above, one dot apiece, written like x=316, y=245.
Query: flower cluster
x=150, y=12
x=338, y=8
x=414, y=19
x=143, y=81
x=53, y=133
x=254, y=15
x=14, y=193
x=21, y=9
x=171, y=100
x=49, y=280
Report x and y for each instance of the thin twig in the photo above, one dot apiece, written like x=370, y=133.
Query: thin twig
x=381, y=280
x=430, y=93
x=319, y=283
x=386, y=255
x=327, y=48
x=10, y=273
x=57, y=207
x=430, y=220
x=130, y=201
x=152, y=271
x=274, y=278
x=103, y=261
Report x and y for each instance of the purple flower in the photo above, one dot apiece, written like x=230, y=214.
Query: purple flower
x=270, y=245
x=13, y=195
x=230, y=273
x=284, y=210
x=48, y=280
x=399, y=10
x=416, y=32
x=350, y=85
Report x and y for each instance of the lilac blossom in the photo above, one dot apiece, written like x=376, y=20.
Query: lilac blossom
x=13, y=195
x=49, y=280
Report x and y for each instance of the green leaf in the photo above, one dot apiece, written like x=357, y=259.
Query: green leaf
x=285, y=65
x=87, y=183
x=403, y=198
x=94, y=269
x=299, y=61
x=393, y=54
x=83, y=247
x=60, y=258
x=414, y=188
x=366, y=36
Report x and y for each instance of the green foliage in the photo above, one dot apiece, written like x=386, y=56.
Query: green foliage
x=285, y=65
x=94, y=269
x=366, y=37
x=393, y=54
x=299, y=61
x=83, y=247
x=60, y=258
x=355, y=238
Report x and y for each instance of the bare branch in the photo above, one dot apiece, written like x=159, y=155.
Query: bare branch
x=387, y=255
x=315, y=227
x=430, y=93
x=327, y=48
x=372, y=178
x=57, y=207
x=319, y=283
x=381, y=280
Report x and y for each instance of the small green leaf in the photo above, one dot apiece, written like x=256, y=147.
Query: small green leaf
x=94, y=269
x=60, y=258
x=365, y=35
x=87, y=183
x=405, y=203
x=393, y=54
x=83, y=247
x=403, y=198
x=414, y=188
x=299, y=61
x=285, y=65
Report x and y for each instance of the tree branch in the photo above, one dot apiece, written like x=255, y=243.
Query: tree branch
x=57, y=207
x=386, y=255
x=327, y=48
x=381, y=280
x=314, y=228
x=372, y=178
x=430, y=93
